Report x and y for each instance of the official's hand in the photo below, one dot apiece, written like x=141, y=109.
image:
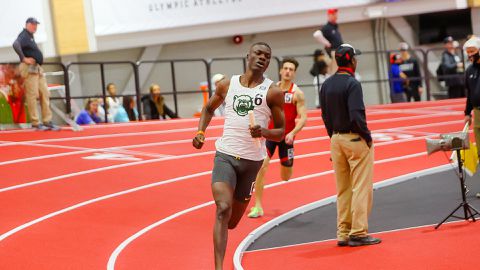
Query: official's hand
x=256, y=131
x=29, y=61
x=420, y=90
x=198, y=141
x=289, y=138
x=468, y=119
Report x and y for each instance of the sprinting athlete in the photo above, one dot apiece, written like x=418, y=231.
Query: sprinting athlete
x=294, y=106
x=239, y=156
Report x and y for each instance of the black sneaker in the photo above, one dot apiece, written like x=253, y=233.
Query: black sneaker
x=342, y=243
x=40, y=127
x=356, y=241
x=51, y=126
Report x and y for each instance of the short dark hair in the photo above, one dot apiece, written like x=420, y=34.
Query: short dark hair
x=261, y=44
x=289, y=60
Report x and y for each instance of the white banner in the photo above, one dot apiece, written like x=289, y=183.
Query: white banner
x=126, y=16
x=13, y=17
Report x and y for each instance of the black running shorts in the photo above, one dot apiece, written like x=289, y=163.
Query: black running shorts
x=239, y=173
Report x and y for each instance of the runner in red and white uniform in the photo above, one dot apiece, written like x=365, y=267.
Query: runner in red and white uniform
x=294, y=108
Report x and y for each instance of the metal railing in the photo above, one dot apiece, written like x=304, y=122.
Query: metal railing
x=380, y=77
x=103, y=81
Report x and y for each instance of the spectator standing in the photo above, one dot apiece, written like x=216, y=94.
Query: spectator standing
x=413, y=88
x=472, y=83
x=452, y=68
x=32, y=72
x=154, y=105
x=397, y=80
x=319, y=72
x=331, y=37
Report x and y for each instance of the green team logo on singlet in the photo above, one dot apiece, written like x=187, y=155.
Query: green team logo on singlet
x=242, y=104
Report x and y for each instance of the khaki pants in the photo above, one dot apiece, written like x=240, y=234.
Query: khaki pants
x=36, y=88
x=353, y=164
x=476, y=128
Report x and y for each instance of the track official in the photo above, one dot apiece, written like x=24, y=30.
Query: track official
x=343, y=113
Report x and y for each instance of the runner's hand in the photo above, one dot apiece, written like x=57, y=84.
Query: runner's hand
x=468, y=119
x=256, y=131
x=289, y=138
x=198, y=141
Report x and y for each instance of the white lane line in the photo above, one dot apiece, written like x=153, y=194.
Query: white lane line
x=82, y=150
x=334, y=239
x=192, y=130
x=73, y=207
x=247, y=241
x=56, y=178
x=114, y=256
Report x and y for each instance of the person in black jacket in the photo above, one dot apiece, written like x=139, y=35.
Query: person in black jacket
x=154, y=106
x=351, y=148
x=413, y=89
x=452, y=68
x=472, y=83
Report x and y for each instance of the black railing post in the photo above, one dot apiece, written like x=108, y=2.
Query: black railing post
x=104, y=93
x=174, y=84
x=136, y=76
x=66, y=82
x=427, y=74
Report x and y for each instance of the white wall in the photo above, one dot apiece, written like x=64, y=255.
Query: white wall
x=189, y=75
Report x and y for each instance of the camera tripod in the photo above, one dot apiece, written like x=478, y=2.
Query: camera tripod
x=468, y=210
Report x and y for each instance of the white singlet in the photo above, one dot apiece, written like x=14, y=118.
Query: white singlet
x=236, y=140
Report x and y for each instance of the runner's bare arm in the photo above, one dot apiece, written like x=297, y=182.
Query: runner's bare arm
x=208, y=111
x=301, y=111
x=275, y=101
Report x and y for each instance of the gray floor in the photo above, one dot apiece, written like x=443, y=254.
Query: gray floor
x=416, y=202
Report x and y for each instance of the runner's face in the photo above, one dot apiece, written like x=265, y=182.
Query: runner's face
x=259, y=58
x=288, y=71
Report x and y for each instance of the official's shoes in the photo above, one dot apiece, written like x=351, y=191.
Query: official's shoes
x=255, y=212
x=40, y=127
x=52, y=126
x=356, y=241
x=478, y=195
x=342, y=243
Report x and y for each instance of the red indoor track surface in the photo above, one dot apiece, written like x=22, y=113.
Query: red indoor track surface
x=138, y=195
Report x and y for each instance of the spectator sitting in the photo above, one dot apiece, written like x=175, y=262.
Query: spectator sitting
x=101, y=110
x=154, y=105
x=113, y=102
x=397, y=78
x=127, y=112
x=89, y=116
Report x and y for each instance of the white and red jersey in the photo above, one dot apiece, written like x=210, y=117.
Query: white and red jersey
x=289, y=108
